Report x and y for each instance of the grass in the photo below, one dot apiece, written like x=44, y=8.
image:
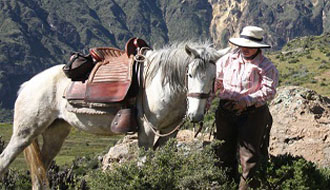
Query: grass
x=77, y=144
x=305, y=62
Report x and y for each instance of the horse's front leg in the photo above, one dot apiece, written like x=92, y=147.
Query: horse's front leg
x=146, y=136
x=163, y=139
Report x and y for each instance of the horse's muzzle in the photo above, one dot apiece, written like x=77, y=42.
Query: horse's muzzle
x=195, y=118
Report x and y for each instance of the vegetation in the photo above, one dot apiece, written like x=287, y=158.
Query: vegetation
x=305, y=62
x=76, y=145
x=6, y=115
x=174, y=166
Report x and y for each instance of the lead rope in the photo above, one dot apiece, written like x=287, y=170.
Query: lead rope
x=142, y=58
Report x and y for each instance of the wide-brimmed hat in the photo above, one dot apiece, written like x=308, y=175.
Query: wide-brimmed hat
x=251, y=37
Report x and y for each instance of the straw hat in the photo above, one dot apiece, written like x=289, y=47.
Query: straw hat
x=251, y=36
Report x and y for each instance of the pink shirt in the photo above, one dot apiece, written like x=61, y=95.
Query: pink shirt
x=254, y=81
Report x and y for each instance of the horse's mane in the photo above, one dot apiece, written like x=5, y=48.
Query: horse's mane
x=171, y=61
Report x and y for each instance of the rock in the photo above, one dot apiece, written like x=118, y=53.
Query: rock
x=126, y=149
x=301, y=124
x=121, y=152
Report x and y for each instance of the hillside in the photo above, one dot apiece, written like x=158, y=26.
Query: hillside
x=305, y=62
x=37, y=34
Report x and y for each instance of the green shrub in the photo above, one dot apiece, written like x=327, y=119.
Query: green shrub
x=15, y=180
x=287, y=172
x=171, y=167
x=323, y=84
x=313, y=81
x=294, y=60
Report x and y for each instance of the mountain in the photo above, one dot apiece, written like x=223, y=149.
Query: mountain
x=283, y=20
x=36, y=34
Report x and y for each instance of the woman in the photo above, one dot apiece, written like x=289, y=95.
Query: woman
x=245, y=81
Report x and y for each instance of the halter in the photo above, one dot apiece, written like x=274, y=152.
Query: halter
x=196, y=94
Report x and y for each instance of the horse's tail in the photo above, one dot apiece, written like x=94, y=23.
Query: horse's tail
x=38, y=171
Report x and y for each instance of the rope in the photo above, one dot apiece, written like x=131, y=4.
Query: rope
x=166, y=134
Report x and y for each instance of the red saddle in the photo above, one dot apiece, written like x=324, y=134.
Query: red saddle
x=112, y=76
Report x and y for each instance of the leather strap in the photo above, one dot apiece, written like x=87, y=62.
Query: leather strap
x=199, y=95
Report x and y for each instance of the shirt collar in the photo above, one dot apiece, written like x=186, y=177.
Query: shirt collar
x=256, y=61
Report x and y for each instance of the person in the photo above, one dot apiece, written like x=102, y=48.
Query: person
x=245, y=81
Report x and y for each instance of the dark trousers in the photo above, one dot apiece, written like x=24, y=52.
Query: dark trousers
x=244, y=134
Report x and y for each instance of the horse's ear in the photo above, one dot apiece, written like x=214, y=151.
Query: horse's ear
x=191, y=52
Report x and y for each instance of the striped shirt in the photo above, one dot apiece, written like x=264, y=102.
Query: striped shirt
x=253, y=81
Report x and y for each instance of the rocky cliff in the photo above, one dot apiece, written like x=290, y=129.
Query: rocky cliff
x=283, y=20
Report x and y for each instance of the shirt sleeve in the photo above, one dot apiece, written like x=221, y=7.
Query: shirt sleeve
x=267, y=91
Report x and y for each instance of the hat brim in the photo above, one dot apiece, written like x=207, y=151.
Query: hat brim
x=242, y=42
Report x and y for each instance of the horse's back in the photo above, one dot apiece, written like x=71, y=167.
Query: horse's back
x=41, y=92
x=47, y=76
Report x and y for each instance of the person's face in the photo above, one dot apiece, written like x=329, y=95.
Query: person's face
x=248, y=52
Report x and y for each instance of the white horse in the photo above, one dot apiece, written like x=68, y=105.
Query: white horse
x=169, y=74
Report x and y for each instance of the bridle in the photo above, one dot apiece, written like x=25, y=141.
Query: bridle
x=196, y=94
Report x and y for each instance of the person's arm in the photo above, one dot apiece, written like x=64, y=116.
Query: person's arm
x=267, y=91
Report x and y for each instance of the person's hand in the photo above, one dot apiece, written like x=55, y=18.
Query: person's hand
x=240, y=106
x=228, y=105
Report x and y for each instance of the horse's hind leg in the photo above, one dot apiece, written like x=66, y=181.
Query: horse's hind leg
x=20, y=139
x=53, y=138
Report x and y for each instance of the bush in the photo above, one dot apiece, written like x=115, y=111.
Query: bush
x=171, y=167
x=176, y=166
x=294, y=60
x=72, y=177
x=15, y=180
x=286, y=172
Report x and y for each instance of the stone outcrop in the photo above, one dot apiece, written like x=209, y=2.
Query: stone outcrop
x=126, y=148
x=301, y=124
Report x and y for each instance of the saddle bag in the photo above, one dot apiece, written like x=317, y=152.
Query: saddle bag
x=124, y=121
x=79, y=67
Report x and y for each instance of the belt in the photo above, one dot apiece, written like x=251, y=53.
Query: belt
x=247, y=110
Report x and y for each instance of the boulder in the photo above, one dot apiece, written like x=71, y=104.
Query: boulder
x=301, y=124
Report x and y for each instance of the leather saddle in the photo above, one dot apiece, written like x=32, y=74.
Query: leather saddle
x=114, y=80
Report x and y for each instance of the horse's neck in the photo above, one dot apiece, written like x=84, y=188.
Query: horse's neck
x=163, y=104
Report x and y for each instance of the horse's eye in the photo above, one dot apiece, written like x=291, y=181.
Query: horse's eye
x=190, y=75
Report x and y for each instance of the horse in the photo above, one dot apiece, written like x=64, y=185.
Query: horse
x=175, y=76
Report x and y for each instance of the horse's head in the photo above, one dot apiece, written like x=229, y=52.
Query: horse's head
x=201, y=72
